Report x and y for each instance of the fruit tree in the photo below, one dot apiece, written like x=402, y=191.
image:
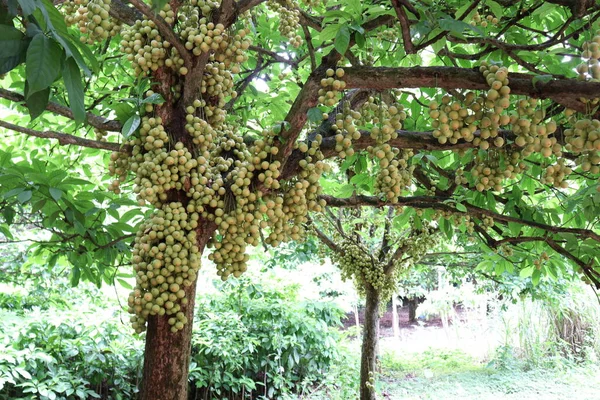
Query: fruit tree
x=225, y=124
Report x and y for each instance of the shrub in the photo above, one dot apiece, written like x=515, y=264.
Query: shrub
x=249, y=341
x=40, y=359
x=20, y=302
x=261, y=341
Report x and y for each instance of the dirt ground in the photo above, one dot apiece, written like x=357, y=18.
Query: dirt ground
x=385, y=323
x=470, y=333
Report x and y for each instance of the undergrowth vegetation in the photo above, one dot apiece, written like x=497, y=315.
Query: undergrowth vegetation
x=249, y=341
x=261, y=340
x=264, y=339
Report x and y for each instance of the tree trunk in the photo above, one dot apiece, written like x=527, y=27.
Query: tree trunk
x=370, y=341
x=167, y=354
x=412, y=309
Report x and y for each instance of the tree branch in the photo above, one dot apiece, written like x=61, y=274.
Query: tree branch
x=436, y=202
x=385, y=240
x=563, y=91
x=440, y=35
x=405, y=140
x=245, y=5
x=120, y=11
x=311, y=48
x=409, y=47
x=246, y=82
x=94, y=120
x=165, y=30
x=326, y=240
x=66, y=139
x=590, y=272
x=273, y=55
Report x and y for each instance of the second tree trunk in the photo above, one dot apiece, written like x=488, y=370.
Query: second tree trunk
x=370, y=341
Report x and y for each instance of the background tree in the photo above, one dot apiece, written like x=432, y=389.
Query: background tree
x=508, y=154
x=373, y=255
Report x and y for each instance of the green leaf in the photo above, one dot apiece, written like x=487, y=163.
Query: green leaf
x=460, y=207
x=10, y=11
x=337, y=15
x=329, y=32
x=348, y=162
x=529, y=185
x=546, y=8
x=38, y=206
x=495, y=8
x=28, y=7
x=23, y=372
x=9, y=214
x=72, y=79
x=342, y=40
x=155, y=98
x=9, y=63
x=124, y=283
x=123, y=110
x=13, y=192
x=75, y=276
x=72, y=51
x=79, y=228
x=10, y=41
x=346, y=191
x=131, y=125
x=514, y=228
x=54, y=19
x=360, y=40
x=535, y=277
x=400, y=221
x=355, y=7
x=457, y=28
x=37, y=102
x=526, y=272
x=462, y=9
x=485, y=265
x=42, y=63
x=361, y=164
x=56, y=193
x=360, y=179
x=315, y=115
x=32, y=31
x=446, y=228
x=24, y=196
x=6, y=231
x=499, y=268
x=86, y=52
x=13, y=46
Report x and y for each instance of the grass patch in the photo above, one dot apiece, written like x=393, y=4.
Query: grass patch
x=452, y=374
x=432, y=362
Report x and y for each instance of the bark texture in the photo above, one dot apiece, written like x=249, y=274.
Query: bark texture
x=167, y=354
x=368, y=362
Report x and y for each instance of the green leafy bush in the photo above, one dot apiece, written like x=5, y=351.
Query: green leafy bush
x=249, y=341
x=40, y=359
x=261, y=341
x=20, y=302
